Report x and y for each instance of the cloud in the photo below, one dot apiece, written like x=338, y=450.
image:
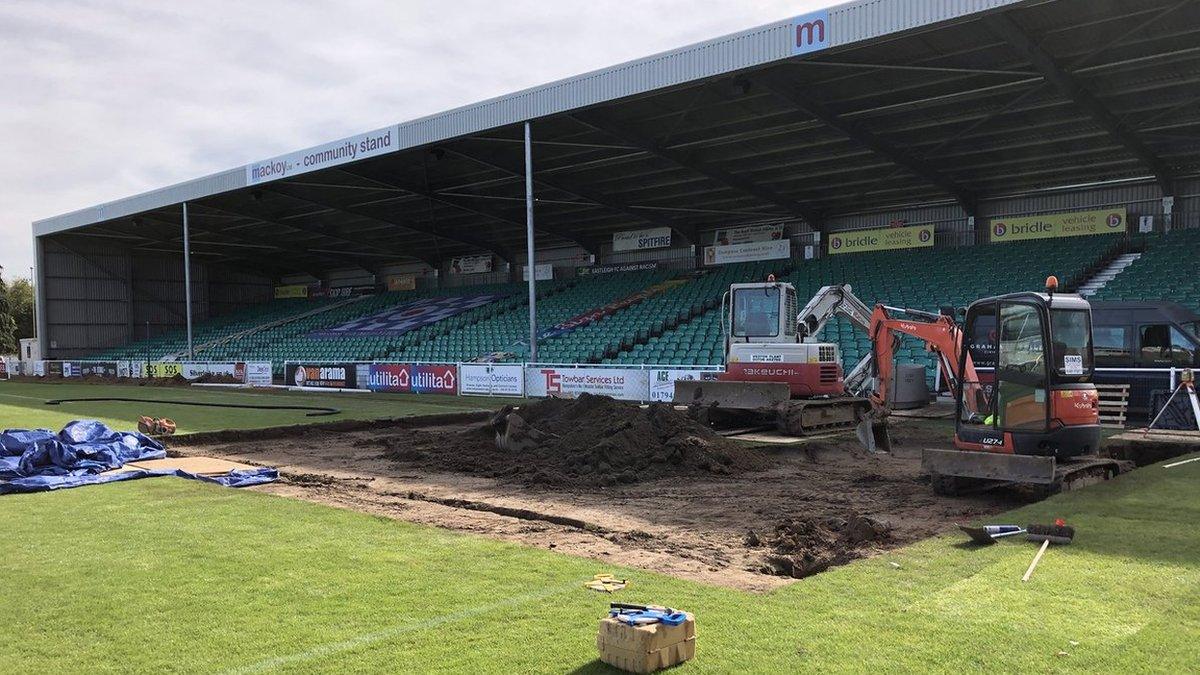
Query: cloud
x=108, y=98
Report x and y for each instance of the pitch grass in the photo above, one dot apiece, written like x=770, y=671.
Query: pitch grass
x=168, y=574
x=22, y=405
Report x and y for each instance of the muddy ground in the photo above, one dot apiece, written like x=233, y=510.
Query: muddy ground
x=821, y=503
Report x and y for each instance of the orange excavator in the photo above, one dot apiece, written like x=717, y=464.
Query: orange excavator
x=1020, y=370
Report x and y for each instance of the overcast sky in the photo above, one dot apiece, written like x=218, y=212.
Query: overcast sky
x=108, y=98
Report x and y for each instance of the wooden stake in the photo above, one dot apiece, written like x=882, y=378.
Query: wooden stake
x=1036, y=558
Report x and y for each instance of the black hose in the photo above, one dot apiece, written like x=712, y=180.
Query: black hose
x=318, y=411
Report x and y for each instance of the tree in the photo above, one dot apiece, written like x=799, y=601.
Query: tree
x=20, y=300
x=8, y=327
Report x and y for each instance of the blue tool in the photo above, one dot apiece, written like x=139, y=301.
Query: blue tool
x=640, y=616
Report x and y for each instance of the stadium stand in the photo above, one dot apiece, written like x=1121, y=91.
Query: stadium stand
x=218, y=328
x=509, y=331
x=298, y=341
x=1168, y=259
x=658, y=317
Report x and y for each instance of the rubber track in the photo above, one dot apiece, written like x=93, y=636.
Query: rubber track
x=316, y=411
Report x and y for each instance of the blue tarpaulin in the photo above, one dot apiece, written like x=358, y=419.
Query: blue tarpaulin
x=87, y=452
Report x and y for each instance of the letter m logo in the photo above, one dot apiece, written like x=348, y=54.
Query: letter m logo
x=810, y=32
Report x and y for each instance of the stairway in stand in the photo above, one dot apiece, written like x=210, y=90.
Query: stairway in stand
x=1101, y=278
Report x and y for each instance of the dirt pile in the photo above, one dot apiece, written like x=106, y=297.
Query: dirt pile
x=801, y=547
x=589, y=441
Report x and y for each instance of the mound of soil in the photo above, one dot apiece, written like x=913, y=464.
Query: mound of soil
x=801, y=547
x=588, y=441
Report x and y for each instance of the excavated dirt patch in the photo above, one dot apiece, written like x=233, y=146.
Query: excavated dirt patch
x=589, y=441
x=811, y=506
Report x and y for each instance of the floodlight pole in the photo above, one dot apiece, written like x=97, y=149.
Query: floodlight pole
x=187, y=282
x=529, y=266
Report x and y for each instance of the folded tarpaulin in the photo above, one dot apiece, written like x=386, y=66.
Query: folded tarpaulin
x=87, y=452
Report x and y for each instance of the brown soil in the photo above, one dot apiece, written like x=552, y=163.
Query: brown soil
x=821, y=503
x=589, y=441
x=805, y=546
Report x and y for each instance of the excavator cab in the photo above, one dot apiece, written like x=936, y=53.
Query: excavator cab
x=761, y=313
x=1032, y=356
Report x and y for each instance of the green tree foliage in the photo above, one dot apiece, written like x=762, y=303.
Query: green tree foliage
x=20, y=300
x=8, y=327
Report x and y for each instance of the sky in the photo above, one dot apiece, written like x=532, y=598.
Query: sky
x=109, y=98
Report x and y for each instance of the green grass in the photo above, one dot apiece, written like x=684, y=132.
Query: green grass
x=167, y=574
x=22, y=405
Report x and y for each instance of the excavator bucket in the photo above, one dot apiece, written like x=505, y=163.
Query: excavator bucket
x=731, y=395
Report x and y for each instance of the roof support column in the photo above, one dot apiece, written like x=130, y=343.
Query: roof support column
x=39, y=297
x=530, y=267
x=187, y=284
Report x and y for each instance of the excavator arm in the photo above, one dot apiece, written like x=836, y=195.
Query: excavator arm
x=829, y=302
x=940, y=334
x=873, y=373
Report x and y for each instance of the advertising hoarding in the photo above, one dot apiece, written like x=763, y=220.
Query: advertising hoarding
x=321, y=375
x=481, y=379
x=626, y=384
x=749, y=252
x=880, y=239
x=745, y=234
x=412, y=378
x=662, y=382
x=640, y=240
x=471, y=264
x=1074, y=224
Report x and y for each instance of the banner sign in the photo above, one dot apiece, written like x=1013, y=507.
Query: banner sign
x=258, y=374
x=191, y=371
x=491, y=380
x=163, y=369
x=370, y=144
x=757, y=250
x=629, y=385
x=881, y=239
x=401, y=282
x=4, y=368
x=318, y=291
x=1075, y=224
x=471, y=264
x=54, y=369
x=747, y=234
x=410, y=378
x=322, y=376
x=291, y=291
x=89, y=368
x=613, y=269
x=615, y=306
x=810, y=32
x=408, y=316
x=639, y=240
x=541, y=272
x=662, y=382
